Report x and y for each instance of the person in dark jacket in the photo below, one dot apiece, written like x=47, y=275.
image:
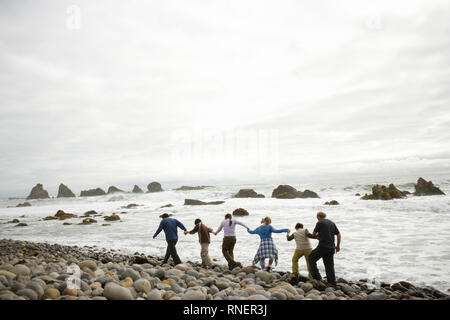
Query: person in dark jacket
x=170, y=225
x=204, y=239
x=326, y=230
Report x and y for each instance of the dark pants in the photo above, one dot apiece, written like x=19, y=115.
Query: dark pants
x=227, y=250
x=172, y=251
x=327, y=255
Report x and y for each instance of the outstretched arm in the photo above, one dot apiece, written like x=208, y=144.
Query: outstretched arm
x=181, y=226
x=279, y=230
x=290, y=237
x=241, y=224
x=193, y=231
x=219, y=229
x=256, y=231
x=309, y=235
x=158, y=231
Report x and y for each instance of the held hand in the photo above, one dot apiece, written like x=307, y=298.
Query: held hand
x=289, y=231
x=186, y=232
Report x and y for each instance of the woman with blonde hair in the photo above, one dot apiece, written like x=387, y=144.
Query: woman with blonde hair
x=267, y=248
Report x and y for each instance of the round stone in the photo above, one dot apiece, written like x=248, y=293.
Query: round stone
x=155, y=294
x=113, y=291
x=21, y=270
x=142, y=285
x=194, y=295
x=127, y=282
x=51, y=293
x=91, y=264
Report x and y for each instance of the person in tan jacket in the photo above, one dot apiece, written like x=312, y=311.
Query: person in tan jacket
x=303, y=247
x=204, y=239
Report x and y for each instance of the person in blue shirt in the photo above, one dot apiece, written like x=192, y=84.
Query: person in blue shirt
x=267, y=248
x=170, y=225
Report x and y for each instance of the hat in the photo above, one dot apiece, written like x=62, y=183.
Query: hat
x=165, y=215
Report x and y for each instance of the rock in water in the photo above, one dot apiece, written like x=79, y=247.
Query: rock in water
x=136, y=189
x=113, y=189
x=25, y=204
x=331, y=203
x=65, y=192
x=154, y=187
x=61, y=215
x=92, y=192
x=248, y=193
x=112, y=217
x=240, y=212
x=384, y=193
x=189, y=188
x=426, y=188
x=288, y=192
x=192, y=202
x=113, y=291
x=38, y=192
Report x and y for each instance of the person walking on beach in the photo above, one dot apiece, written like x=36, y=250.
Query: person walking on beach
x=170, y=225
x=204, y=239
x=303, y=248
x=267, y=248
x=229, y=240
x=326, y=230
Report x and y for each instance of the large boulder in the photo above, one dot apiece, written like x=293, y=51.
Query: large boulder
x=154, y=187
x=92, y=192
x=113, y=189
x=384, y=193
x=426, y=188
x=136, y=189
x=289, y=192
x=38, y=192
x=248, y=193
x=331, y=203
x=240, y=212
x=193, y=202
x=65, y=192
x=61, y=215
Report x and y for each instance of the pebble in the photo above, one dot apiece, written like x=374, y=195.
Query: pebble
x=142, y=285
x=107, y=274
x=154, y=294
x=51, y=293
x=113, y=291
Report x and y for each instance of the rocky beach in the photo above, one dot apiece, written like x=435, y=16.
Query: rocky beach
x=42, y=271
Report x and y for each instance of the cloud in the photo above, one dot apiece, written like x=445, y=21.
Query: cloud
x=221, y=91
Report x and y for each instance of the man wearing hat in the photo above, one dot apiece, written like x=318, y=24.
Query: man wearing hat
x=169, y=225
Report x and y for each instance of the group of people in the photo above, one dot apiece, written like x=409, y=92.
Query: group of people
x=324, y=231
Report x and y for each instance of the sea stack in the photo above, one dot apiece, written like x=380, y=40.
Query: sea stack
x=154, y=187
x=92, y=192
x=38, y=192
x=65, y=192
x=288, y=192
x=113, y=189
x=136, y=189
x=384, y=193
x=248, y=193
x=426, y=188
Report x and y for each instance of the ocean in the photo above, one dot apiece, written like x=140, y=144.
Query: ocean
x=405, y=239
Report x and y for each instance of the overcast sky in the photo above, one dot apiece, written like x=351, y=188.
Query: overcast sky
x=95, y=93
